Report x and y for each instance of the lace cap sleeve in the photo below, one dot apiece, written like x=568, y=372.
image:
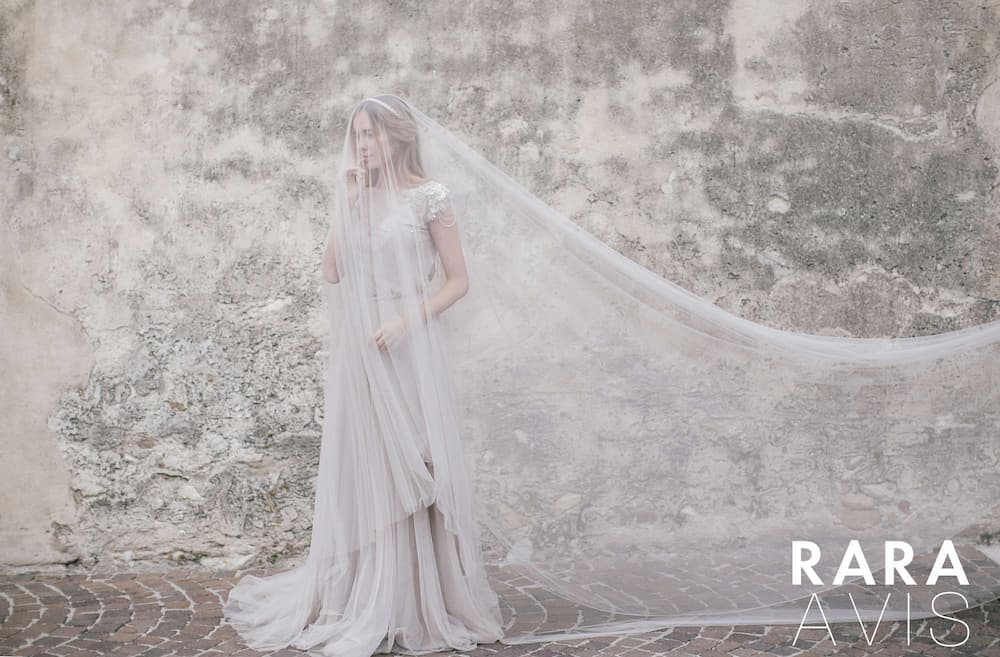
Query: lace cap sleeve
x=439, y=204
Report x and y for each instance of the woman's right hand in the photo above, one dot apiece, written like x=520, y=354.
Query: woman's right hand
x=353, y=177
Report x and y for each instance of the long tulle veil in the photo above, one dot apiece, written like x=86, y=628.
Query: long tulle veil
x=641, y=458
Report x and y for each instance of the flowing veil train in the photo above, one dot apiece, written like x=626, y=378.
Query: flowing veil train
x=638, y=457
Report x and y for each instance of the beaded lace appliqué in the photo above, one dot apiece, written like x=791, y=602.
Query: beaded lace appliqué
x=438, y=201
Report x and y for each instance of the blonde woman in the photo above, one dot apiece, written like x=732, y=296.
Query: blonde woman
x=394, y=561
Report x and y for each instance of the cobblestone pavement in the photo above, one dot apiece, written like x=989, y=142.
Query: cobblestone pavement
x=179, y=613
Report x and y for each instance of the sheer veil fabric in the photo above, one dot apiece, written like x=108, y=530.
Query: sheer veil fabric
x=637, y=456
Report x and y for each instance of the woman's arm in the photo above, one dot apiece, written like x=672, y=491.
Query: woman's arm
x=444, y=232
x=330, y=272
x=352, y=176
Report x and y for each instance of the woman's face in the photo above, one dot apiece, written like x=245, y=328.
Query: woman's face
x=369, y=151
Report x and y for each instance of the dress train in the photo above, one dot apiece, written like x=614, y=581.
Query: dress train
x=413, y=587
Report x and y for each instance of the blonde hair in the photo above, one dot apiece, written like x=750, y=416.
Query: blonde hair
x=399, y=128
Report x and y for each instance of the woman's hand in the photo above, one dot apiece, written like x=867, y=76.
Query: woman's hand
x=391, y=333
x=354, y=177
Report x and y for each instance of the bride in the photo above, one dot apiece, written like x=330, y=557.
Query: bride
x=641, y=458
x=394, y=562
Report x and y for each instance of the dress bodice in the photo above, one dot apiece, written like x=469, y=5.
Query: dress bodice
x=402, y=247
x=423, y=204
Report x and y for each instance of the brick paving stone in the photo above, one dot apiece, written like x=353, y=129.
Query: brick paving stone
x=179, y=614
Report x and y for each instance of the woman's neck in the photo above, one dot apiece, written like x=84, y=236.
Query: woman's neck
x=381, y=180
x=413, y=184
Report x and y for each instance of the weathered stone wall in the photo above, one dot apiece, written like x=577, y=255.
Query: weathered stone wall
x=821, y=167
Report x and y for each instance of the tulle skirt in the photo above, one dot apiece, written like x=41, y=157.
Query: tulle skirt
x=407, y=591
x=406, y=594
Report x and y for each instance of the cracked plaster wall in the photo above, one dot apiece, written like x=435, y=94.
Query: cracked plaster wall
x=821, y=167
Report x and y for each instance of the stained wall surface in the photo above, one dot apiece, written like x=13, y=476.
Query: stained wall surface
x=822, y=167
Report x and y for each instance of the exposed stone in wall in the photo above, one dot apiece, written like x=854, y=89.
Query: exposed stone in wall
x=821, y=167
